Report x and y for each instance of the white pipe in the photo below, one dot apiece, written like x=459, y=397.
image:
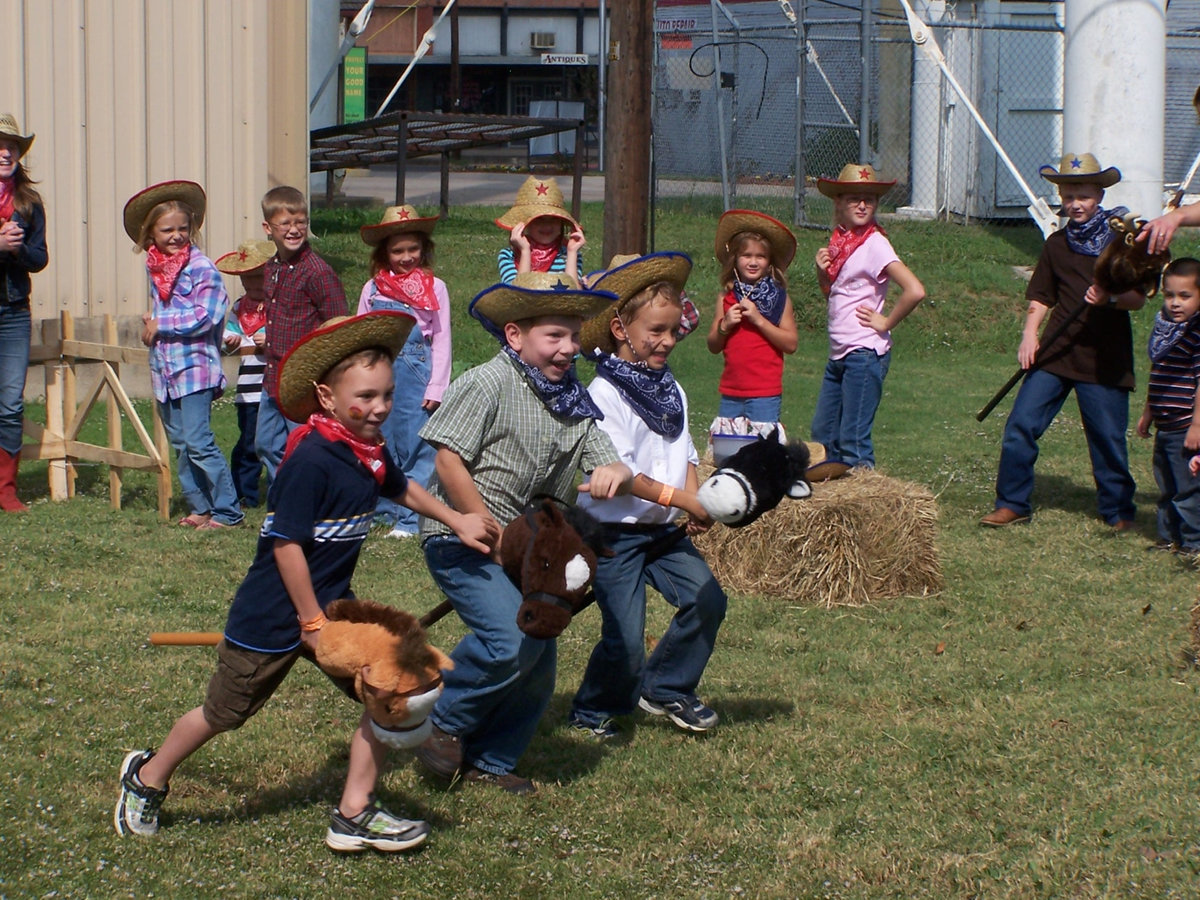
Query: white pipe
x=1114, y=100
x=427, y=40
x=357, y=26
x=1046, y=220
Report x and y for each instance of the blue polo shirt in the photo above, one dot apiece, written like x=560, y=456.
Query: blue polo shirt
x=324, y=499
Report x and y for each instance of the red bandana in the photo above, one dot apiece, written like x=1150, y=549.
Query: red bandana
x=542, y=256
x=414, y=287
x=165, y=269
x=370, y=455
x=6, y=200
x=251, y=318
x=844, y=242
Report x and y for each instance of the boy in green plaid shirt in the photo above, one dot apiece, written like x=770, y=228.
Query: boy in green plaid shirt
x=520, y=424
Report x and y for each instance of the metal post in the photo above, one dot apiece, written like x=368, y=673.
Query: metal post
x=401, y=156
x=444, y=206
x=601, y=72
x=864, y=106
x=720, y=107
x=798, y=213
x=577, y=176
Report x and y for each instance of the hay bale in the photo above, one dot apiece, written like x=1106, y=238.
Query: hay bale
x=857, y=539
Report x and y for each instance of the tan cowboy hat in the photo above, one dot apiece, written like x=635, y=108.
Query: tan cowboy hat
x=141, y=203
x=1080, y=168
x=778, y=235
x=396, y=220
x=626, y=276
x=320, y=350
x=855, y=178
x=10, y=131
x=534, y=294
x=536, y=197
x=248, y=257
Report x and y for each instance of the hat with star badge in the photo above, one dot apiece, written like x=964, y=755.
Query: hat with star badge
x=533, y=295
x=397, y=220
x=537, y=197
x=1080, y=168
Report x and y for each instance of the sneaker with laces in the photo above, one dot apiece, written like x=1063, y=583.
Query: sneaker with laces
x=604, y=731
x=690, y=714
x=374, y=827
x=138, y=805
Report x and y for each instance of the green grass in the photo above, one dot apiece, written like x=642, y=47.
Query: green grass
x=1049, y=751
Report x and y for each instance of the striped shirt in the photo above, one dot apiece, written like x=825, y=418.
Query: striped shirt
x=508, y=266
x=185, y=357
x=511, y=444
x=253, y=364
x=1173, y=380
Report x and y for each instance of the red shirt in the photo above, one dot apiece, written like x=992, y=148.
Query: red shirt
x=302, y=293
x=753, y=365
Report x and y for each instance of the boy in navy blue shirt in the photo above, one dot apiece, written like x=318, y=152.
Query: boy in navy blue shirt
x=338, y=380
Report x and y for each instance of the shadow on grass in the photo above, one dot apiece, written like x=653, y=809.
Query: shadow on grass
x=297, y=792
x=1077, y=495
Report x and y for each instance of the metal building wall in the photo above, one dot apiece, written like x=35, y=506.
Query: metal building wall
x=125, y=93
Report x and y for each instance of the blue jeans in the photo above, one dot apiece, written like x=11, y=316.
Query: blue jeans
x=412, y=370
x=618, y=672
x=1179, y=497
x=1105, y=414
x=14, y=362
x=203, y=474
x=270, y=437
x=244, y=463
x=846, y=405
x=502, y=679
x=756, y=409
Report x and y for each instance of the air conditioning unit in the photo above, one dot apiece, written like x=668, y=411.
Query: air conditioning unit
x=541, y=40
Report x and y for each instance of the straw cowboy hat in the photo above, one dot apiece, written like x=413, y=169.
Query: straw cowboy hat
x=534, y=294
x=855, y=178
x=322, y=349
x=250, y=256
x=536, y=197
x=1080, y=168
x=397, y=220
x=734, y=221
x=140, y=204
x=9, y=131
x=627, y=276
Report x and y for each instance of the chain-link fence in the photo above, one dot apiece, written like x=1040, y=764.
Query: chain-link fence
x=755, y=101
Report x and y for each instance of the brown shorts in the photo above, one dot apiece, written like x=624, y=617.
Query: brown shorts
x=245, y=680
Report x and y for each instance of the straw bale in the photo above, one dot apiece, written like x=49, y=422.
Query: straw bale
x=858, y=539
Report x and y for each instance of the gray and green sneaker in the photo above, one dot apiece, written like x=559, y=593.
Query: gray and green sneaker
x=138, y=805
x=373, y=827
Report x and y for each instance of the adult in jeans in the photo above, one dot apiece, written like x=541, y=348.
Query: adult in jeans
x=22, y=251
x=1092, y=357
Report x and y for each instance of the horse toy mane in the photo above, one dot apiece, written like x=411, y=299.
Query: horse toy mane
x=396, y=673
x=1125, y=265
x=549, y=553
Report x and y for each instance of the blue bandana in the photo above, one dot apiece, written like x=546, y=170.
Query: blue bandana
x=567, y=398
x=652, y=393
x=1092, y=236
x=768, y=296
x=1166, y=334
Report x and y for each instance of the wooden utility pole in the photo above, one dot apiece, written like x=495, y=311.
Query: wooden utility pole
x=627, y=127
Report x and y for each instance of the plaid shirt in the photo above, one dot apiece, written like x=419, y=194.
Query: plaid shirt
x=186, y=354
x=301, y=294
x=511, y=444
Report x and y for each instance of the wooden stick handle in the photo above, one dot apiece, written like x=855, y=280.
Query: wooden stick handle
x=185, y=638
x=436, y=614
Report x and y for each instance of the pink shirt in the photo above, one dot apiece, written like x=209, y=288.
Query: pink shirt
x=862, y=280
x=434, y=325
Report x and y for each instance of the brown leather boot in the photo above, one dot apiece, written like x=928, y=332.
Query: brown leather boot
x=8, y=483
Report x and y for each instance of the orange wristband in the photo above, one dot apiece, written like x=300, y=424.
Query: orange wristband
x=313, y=624
x=665, y=496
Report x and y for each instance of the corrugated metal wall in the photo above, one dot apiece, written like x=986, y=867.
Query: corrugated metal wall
x=125, y=93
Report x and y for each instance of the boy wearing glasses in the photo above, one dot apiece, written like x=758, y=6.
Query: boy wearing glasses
x=302, y=291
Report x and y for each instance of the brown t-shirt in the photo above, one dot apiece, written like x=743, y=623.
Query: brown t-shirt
x=1097, y=348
